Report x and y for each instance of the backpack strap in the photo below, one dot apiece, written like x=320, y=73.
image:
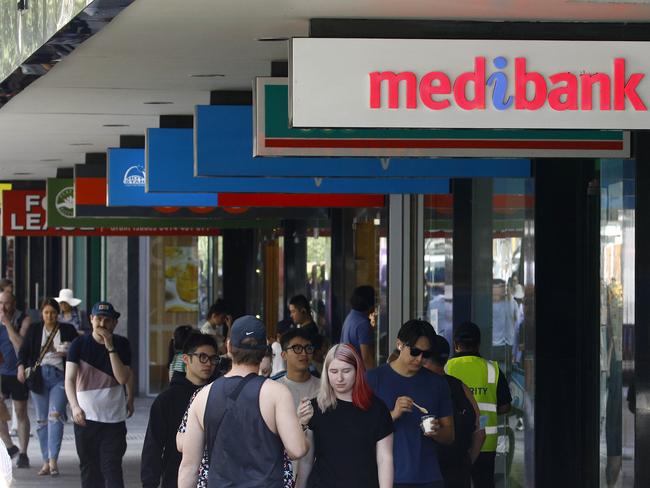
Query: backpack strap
x=222, y=407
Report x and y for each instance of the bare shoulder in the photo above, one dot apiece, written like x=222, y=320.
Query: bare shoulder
x=202, y=396
x=200, y=400
x=274, y=389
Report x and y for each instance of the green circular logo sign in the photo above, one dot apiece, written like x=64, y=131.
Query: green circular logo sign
x=64, y=202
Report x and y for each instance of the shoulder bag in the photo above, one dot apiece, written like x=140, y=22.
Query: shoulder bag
x=33, y=374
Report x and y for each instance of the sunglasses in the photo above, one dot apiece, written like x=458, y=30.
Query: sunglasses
x=415, y=352
x=299, y=348
x=204, y=358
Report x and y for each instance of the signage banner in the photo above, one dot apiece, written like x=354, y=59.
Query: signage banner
x=274, y=136
x=442, y=83
x=91, y=195
x=170, y=168
x=223, y=147
x=4, y=187
x=60, y=213
x=239, y=210
x=25, y=214
x=126, y=180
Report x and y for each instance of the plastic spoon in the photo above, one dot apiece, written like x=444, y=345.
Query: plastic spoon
x=421, y=409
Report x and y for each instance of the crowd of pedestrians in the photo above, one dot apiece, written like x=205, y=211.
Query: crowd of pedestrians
x=327, y=417
x=251, y=411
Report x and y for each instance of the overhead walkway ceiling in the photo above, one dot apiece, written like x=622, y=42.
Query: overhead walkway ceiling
x=167, y=50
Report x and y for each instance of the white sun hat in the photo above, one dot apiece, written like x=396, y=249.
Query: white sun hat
x=66, y=295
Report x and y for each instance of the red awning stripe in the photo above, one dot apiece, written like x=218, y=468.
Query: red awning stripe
x=444, y=144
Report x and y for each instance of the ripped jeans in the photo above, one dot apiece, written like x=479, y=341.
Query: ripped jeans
x=50, y=412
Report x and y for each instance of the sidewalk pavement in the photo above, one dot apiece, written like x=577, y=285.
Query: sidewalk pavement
x=68, y=460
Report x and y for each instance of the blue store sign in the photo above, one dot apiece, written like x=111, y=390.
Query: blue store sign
x=169, y=167
x=224, y=147
x=126, y=179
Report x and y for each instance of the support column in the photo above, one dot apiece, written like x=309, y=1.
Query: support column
x=399, y=264
x=238, y=268
x=472, y=263
x=342, y=279
x=295, y=258
x=567, y=294
x=642, y=311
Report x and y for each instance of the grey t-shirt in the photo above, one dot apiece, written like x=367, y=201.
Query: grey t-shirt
x=308, y=389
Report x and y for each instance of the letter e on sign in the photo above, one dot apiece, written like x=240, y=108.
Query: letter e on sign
x=435, y=83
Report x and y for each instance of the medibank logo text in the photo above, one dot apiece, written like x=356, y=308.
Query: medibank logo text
x=531, y=90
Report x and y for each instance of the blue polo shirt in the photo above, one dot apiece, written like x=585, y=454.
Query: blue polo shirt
x=357, y=330
x=415, y=456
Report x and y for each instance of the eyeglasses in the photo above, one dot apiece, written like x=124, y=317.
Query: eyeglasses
x=299, y=348
x=204, y=358
x=415, y=352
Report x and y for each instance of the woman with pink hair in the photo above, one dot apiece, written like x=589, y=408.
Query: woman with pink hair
x=353, y=429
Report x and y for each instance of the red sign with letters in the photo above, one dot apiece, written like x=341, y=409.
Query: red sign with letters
x=24, y=214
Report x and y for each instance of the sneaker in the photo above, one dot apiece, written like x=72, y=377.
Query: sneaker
x=12, y=451
x=23, y=461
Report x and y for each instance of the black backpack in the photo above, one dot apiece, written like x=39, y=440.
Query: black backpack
x=464, y=416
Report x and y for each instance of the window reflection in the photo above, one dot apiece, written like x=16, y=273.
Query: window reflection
x=508, y=316
x=617, y=324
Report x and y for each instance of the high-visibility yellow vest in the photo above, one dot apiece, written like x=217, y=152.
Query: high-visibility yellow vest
x=481, y=377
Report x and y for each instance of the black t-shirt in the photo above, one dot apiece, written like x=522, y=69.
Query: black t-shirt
x=345, y=441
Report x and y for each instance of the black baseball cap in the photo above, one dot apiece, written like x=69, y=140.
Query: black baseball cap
x=106, y=309
x=248, y=327
x=467, y=331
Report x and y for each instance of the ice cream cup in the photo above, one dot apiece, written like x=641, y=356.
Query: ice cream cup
x=427, y=423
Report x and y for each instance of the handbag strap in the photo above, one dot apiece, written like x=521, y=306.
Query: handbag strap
x=47, y=345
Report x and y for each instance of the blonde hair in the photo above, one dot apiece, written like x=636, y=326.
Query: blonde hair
x=326, y=398
x=361, y=392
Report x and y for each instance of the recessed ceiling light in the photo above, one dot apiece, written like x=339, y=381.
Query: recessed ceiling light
x=116, y=125
x=157, y=103
x=207, y=75
x=272, y=39
x=81, y=144
x=22, y=173
x=51, y=160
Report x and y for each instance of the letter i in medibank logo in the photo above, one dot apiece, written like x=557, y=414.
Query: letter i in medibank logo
x=499, y=82
x=530, y=91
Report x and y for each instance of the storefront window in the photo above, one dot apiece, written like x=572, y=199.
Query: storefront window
x=617, y=324
x=319, y=268
x=438, y=263
x=502, y=303
x=513, y=326
x=183, y=282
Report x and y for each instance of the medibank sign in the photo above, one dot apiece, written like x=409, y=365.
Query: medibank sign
x=474, y=84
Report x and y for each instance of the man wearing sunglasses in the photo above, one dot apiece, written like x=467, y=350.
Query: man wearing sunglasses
x=298, y=351
x=160, y=459
x=411, y=392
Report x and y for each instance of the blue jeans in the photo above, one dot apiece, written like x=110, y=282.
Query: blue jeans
x=50, y=412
